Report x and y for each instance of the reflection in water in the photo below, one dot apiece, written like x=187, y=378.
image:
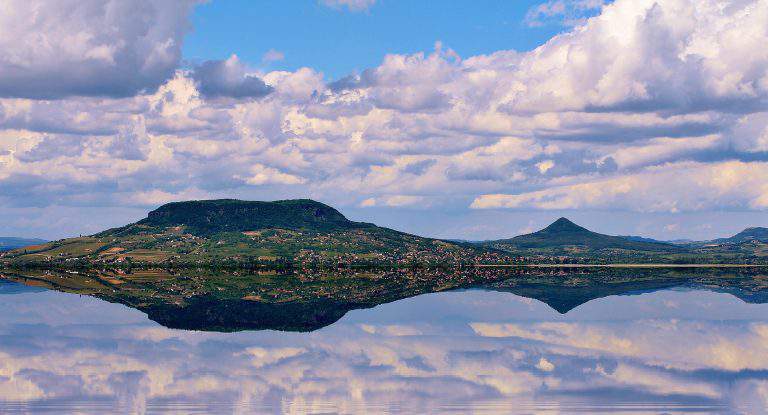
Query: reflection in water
x=664, y=349
x=307, y=300
x=676, y=350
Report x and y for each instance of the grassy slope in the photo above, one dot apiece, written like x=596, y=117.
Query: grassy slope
x=564, y=238
x=213, y=230
x=747, y=235
x=563, y=234
x=209, y=217
x=304, y=230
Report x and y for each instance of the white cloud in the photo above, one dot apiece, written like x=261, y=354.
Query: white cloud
x=750, y=133
x=545, y=365
x=89, y=47
x=663, y=149
x=649, y=106
x=261, y=174
x=675, y=55
x=545, y=165
x=669, y=188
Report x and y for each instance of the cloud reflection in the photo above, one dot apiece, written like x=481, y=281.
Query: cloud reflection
x=508, y=354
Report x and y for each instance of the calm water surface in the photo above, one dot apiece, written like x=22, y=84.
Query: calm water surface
x=669, y=351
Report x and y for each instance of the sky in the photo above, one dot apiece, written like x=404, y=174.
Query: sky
x=472, y=120
x=332, y=39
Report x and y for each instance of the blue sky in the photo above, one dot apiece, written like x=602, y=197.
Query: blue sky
x=639, y=117
x=338, y=41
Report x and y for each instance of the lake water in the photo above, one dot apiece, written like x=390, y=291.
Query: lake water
x=678, y=350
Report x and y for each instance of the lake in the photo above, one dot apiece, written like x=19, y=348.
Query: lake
x=679, y=349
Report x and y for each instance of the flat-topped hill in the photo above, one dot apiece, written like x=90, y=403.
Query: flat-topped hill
x=208, y=217
x=246, y=233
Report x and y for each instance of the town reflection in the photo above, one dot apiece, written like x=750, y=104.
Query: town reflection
x=675, y=350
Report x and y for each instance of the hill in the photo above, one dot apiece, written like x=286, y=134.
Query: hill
x=244, y=234
x=209, y=217
x=566, y=236
x=640, y=238
x=236, y=232
x=747, y=235
x=9, y=243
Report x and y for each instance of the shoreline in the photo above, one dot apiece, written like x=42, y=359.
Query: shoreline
x=655, y=265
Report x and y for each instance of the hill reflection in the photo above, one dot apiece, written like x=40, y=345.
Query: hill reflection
x=308, y=300
x=674, y=351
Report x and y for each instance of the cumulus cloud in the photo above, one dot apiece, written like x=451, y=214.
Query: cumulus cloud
x=50, y=147
x=95, y=48
x=261, y=174
x=228, y=78
x=750, y=133
x=658, y=97
x=676, y=56
x=669, y=188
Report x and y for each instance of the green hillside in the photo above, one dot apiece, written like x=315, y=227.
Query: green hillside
x=236, y=232
x=747, y=235
x=564, y=235
x=243, y=234
x=209, y=217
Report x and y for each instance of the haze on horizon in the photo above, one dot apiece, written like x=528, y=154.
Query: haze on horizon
x=469, y=120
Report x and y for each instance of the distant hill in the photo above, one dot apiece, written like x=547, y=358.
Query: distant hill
x=749, y=234
x=683, y=241
x=640, y=238
x=670, y=241
x=564, y=235
x=8, y=243
x=217, y=231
